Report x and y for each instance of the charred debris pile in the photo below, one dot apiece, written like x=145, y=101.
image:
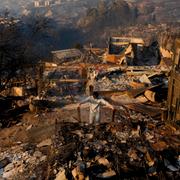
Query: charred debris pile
x=46, y=132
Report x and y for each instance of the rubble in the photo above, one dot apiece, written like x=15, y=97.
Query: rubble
x=46, y=142
x=53, y=138
x=117, y=149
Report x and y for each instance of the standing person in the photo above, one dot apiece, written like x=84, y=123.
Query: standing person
x=95, y=104
x=90, y=81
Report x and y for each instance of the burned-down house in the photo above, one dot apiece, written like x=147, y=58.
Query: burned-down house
x=132, y=52
x=174, y=87
x=61, y=80
x=67, y=72
x=58, y=77
x=120, y=47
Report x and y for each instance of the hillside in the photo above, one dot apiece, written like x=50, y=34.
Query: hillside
x=160, y=10
x=109, y=14
x=120, y=12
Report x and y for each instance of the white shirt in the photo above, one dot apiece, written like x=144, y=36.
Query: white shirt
x=96, y=103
